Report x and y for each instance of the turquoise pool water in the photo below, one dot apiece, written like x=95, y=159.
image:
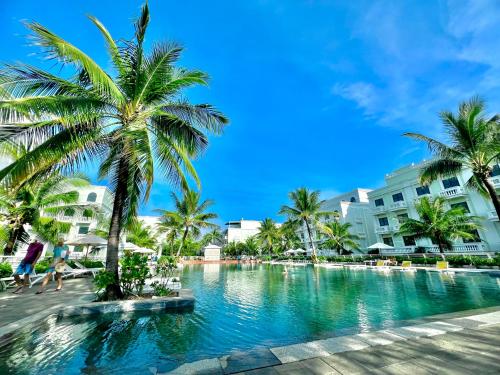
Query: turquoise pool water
x=242, y=307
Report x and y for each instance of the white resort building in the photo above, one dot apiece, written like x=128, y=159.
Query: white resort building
x=239, y=231
x=352, y=207
x=395, y=202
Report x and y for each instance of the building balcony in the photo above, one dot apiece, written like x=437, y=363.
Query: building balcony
x=395, y=227
x=74, y=218
x=495, y=181
x=401, y=205
x=492, y=215
x=474, y=247
x=382, y=230
x=378, y=210
x=453, y=192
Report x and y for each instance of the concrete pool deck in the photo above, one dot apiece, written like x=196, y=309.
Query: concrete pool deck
x=458, y=343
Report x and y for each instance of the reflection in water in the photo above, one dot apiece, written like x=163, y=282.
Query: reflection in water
x=241, y=307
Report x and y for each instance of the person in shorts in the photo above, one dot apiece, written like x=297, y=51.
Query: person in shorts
x=27, y=265
x=61, y=255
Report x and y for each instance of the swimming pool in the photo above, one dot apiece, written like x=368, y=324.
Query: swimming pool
x=242, y=307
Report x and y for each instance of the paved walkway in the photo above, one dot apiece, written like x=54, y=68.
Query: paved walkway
x=15, y=307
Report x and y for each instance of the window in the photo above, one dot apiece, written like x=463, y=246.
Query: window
x=495, y=171
x=69, y=212
x=353, y=199
x=475, y=239
x=383, y=221
x=379, y=202
x=464, y=205
x=92, y=197
x=388, y=241
x=409, y=240
x=398, y=197
x=450, y=182
x=402, y=218
x=422, y=190
x=83, y=229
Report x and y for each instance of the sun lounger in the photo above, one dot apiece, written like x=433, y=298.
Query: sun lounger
x=91, y=270
x=441, y=265
x=406, y=266
x=5, y=282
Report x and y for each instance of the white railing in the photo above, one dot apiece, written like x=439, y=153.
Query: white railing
x=398, y=205
x=468, y=248
x=452, y=192
x=492, y=215
x=459, y=248
x=74, y=218
x=395, y=227
x=378, y=210
x=381, y=230
x=400, y=250
x=495, y=181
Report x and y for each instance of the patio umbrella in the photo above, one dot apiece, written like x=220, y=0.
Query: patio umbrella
x=89, y=240
x=380, y=245
x=144, y=251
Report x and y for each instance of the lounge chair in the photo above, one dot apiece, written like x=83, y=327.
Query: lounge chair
x=406, y=266
x=5, y=282
x=442, y=265
x=93, y=271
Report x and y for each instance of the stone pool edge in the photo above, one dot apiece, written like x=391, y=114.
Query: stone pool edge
x=183, y=301
x=426, y=327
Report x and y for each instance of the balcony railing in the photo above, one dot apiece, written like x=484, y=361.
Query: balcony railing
x=456, y=191
x=401, y=205
x=492, y=215
x=378, y=209
x=495, y=181
x=74, y=218
x=475, y=247
x=382, y=230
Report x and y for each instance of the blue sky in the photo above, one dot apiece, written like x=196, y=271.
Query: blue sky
x=318, y=92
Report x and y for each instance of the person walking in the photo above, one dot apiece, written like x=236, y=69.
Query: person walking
x=61, y=255
x=27, y=265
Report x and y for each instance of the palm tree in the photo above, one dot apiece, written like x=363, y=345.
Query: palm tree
x=251, y=246
x=133, y=119
x=439, y=224
x=189, y=215
x=268, y=234
x=141, y=235
x=37, y=204
x=288, y=235
x=306, y=210
x=339, y=237
x=474, y=143
x=215, y=236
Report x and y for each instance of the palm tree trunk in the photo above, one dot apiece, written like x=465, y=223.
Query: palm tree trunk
x=113, y=291
x=314, y=258
x=182, y=242
x=11, y=243
x=493, y=195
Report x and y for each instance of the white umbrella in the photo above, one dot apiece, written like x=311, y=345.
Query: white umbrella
x=300, y=251
x=129, y=246
x=290, y=252
x=88, y=240
x=380, y=245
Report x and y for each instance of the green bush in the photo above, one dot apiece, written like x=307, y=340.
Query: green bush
x=165, y=269
x=89, y=263
x=102, y=279
x=42, y=265
x=5, y=269
x=135, y=271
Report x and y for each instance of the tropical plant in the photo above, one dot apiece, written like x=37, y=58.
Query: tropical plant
x=251, y=246
x=474, y=143
x=165, y=269
x=339, y=237
x=189, y=215
x=438, y=224
x=215, y=236
x=132, y=118
x=141, y=235
x=268, y=234
x=306, y=210
x=37, y=204
x=289, y=239
x=135, y=271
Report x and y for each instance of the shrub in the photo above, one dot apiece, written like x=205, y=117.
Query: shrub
x=134, y=273
x=43, y=265
x=165, y=269
x=5, y=269
x=89, y=263
x=102, y=279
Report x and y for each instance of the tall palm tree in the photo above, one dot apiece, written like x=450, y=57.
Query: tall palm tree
x=141, y=235
x=268, y=234
x=189, y=215
x=474, y=143
x=215, y=236
x=38, y=204
x=132, y=118
x=339, y=237
x=306, y=210
x=289, y=238
x=251, y=246
x=439, y=224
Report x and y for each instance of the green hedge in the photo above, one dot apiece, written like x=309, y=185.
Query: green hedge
x=5, y=270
